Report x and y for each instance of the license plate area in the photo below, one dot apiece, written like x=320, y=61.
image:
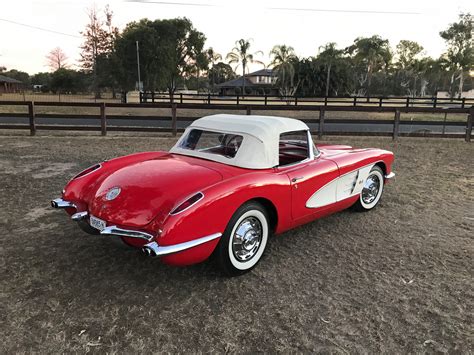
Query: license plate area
x=97, y=223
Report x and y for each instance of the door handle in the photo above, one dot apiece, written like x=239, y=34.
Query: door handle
x=295, y=179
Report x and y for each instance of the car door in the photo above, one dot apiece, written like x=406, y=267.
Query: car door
x=307, y=175
x=306, y=180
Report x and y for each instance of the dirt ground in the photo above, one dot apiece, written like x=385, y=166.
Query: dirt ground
x=398, y=279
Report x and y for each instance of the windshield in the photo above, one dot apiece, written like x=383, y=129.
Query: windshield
x=225, y=144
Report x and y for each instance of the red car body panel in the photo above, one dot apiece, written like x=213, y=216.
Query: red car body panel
x=154, y=183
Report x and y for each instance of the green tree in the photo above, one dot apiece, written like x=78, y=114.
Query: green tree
x=68, y=81
x=220, y=73
x=169, y=51
x=241, y=55
x=329, y=56
x=407, y=53
x=459, y=55
x=212, y=58
x=283, y=62
x=373, y=54
x=43, y=79
x=410, y=67
x=18, y=75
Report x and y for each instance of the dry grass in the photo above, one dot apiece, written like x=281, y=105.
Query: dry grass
x=395, y=280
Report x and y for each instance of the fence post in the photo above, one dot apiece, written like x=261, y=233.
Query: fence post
x=173, y=120
x=435, y=101
x=408, y=101
x=103, y=119
x=181, y=98
x=470, y=120
x=326, y=101
x=444, y=122
x=463, y=102
x=296, y=100
x=380, y=101
x=249, y=110
x=322, y=113
x=31, y=115
x=396, y=124
x=238, y=99
x=208, y=99
x=355, y=100
x=153, y=97
x=266, y=100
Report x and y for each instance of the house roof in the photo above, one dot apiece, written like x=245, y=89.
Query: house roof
x=261, y=135
x=6, y=79
x=262, y=72
x=239, y=82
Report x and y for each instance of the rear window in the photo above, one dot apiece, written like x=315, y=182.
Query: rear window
x=225, y=144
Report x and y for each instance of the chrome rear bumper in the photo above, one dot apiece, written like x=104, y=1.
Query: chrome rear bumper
x=114, y=230
x=150, y=249
x=154, y=249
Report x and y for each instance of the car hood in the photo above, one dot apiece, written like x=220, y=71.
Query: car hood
x=148, y=188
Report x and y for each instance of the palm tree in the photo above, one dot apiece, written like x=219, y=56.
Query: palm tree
x=240, y=55
x=328, y=56
x=372, y=52
x=212, y=57
x=283, y=59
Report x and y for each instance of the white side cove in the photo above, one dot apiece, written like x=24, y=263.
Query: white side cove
x=345, y=186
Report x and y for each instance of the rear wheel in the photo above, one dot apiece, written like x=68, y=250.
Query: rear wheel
x=372, y=190
x=244, y=240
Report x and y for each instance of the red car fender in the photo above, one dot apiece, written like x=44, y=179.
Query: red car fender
x=82, y=189
x=212, y=213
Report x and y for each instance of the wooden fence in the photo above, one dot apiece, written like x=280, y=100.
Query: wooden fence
x=378, y=101
x=319, y=124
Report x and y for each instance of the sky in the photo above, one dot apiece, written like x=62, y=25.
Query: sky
x=266, y=22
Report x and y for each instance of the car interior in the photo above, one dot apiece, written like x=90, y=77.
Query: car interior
x=293, y=147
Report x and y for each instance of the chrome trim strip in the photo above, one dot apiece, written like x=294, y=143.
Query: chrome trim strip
x=390, y=176
x=339, y=177
x=79, y=216
x=114, y=230
x=153, y=249
x=310, y=145
x=60, y=203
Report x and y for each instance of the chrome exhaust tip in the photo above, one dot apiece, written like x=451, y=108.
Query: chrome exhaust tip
x=79, y=216
x=151, y=249
x=60, y=203
x=147, y=251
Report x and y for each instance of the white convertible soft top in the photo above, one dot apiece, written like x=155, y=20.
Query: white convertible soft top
x=261, y=135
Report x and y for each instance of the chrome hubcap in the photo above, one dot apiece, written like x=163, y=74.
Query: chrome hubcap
x=371, y=189
x=247, y=239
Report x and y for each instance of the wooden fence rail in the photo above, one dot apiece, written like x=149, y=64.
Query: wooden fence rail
x=320, y=122
x=266, y=100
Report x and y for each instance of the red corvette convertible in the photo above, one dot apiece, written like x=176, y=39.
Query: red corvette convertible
x=228, y=184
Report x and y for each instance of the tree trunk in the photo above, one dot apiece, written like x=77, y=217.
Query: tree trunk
x=369, y=81
x=327, y=79
x=461, y=83
x=243, y=80
x=451, y=87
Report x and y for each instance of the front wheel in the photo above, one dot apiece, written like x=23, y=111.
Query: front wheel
x=244, y=240
x=372, y=190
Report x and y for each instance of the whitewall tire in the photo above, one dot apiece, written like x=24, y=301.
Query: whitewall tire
x=244, y=241
x=372, y=190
